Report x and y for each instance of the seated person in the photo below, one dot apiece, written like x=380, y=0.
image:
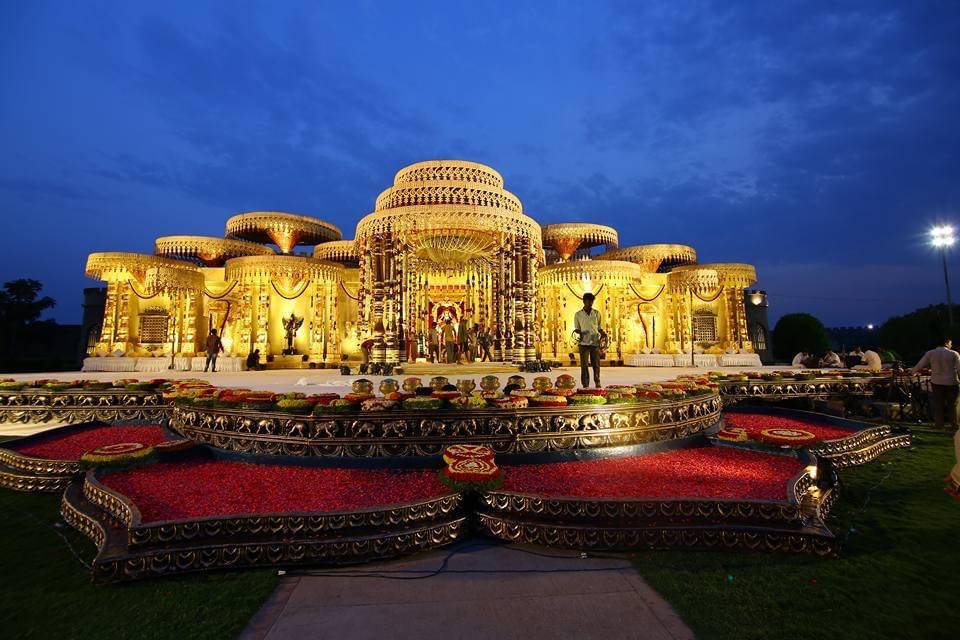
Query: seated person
x=853, y=358
x=799, y=359
x=870, y=360
x=253, y=360
x=811, y=362
x=831, y=359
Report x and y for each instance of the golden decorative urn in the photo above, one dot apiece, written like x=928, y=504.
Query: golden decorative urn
x=490, y=383
x=362, y=386
x=438, y=382
x=410, y=384
x=542, y=383
x=388, y=386
x=517, y=380
x=566, y=382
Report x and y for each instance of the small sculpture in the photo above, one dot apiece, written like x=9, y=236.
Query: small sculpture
x=291, y=325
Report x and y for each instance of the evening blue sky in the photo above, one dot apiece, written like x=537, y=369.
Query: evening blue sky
x=816, y=140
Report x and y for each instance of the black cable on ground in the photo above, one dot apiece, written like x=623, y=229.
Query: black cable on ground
x=420, y=574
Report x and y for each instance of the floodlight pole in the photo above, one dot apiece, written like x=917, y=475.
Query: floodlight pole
x=946, y=284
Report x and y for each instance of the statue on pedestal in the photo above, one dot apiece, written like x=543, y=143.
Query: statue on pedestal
x=291, y=325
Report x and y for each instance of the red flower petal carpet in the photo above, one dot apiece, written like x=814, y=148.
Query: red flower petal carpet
x=755, y=423
x=72, y=445
x=195, y=489
x=707, y=472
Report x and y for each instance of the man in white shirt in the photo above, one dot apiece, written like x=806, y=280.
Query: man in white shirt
x=870, y=361
x=586, y=324
x=799, y=359
x=944, y=365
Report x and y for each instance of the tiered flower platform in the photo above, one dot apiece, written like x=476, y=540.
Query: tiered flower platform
x=843, y=442
x=711, y=497
x=792, y=384
x=197, y=514
x=287, y=479
x=49, y=460
x=79, y=401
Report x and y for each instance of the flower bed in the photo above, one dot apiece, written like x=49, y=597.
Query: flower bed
x=73, y=444
x=708, y=472
x=196, y=489
x=784, y=430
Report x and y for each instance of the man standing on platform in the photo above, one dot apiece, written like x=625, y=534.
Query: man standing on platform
x=463, y=339
x=449, y=341
x=214, y=346
x=586, y=324
x=433, y=345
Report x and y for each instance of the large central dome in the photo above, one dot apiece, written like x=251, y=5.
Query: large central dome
x=449, y=212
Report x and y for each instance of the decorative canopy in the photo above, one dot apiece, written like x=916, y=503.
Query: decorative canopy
x=565, y=238
x=286, y=230
x=282, y=269
x=340, y=251
x=447, y=241
x=731, y=274
x=696, y=278
x=655, y=257
x=152, y=271
x=600, y=271
x=207, y=251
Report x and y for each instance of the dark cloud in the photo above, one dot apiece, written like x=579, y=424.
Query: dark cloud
x=817, y=140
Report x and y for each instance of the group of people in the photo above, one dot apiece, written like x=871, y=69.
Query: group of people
x=858, y=358
x=464, y=343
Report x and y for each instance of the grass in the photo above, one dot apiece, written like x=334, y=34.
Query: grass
x=898, y=575
x=46, y=592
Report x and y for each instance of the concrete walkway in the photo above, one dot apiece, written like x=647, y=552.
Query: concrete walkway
x=485, y=591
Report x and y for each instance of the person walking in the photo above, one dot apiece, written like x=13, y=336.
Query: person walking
x=484, y=341
x=944, y=365
x=433, y=345
x=449, y=341
x=474, y=337
x=463, y=340
x=214, y=346
x=586, y=324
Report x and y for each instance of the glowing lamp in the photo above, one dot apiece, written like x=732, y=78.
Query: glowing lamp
x=942, y=236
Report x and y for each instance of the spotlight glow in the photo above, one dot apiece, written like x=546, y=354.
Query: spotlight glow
x=942, y=236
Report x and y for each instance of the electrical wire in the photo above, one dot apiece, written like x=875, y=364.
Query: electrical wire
x=420, y=574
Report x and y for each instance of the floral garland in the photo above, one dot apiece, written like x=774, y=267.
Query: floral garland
x=732, y=434
x=784, y=435
x=114, y=455
x=470, y=468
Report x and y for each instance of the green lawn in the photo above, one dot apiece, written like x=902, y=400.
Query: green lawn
x=898, y=575
x=45, y=591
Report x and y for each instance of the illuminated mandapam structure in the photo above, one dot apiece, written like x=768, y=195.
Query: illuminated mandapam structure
x=446, y=241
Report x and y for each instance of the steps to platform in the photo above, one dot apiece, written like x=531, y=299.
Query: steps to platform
x=287, y=362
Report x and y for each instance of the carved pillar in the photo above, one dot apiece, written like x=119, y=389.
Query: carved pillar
x=108, y=328
x=261, y=339
x=122, y=328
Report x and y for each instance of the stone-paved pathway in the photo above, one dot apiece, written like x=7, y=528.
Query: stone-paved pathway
x=522, y=593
